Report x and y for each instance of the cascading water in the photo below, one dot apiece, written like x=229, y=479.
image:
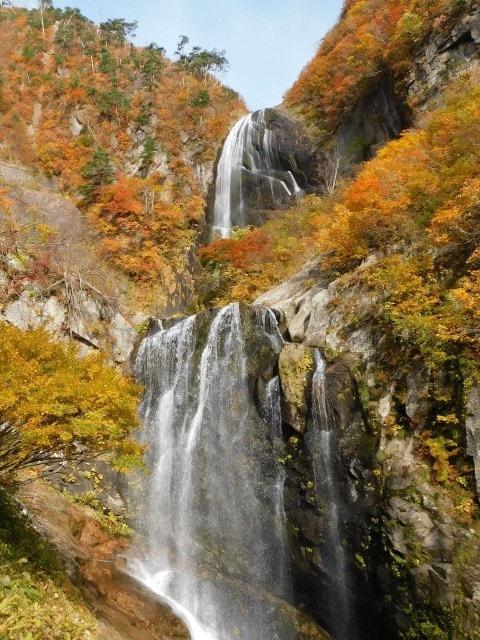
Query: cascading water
x=249, y=163
x=215, y=545
x=323, y=446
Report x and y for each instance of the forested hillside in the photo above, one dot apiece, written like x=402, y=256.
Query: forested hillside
x=128, y=134
x=373, y=40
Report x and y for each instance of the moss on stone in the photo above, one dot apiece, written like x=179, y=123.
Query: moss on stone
x=296, y=365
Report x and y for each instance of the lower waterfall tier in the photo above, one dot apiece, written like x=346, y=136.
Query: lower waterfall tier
x=213, y=517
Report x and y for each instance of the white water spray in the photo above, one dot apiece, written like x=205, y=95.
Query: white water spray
x=249, y=162
x=213, y=517
x=323, y=447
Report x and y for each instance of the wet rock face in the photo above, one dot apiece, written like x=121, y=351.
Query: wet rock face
x=266, y=162
x=306, y=513
x=292, y=148
x=379, y=117
x=410, y=545
x=291, y=155
x=296, y=370
x=446, y=55
x=473, y=430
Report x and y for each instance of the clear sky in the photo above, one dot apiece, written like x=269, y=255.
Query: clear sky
x=267, y=41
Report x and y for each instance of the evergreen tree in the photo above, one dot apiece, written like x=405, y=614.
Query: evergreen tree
x=97, y=173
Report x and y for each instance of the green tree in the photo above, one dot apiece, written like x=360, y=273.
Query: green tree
x=201, y=100
x=97, y=173
x=110, y=102
x=117, y=31
x=200, y=62
x=148, y=154
x=152, y=64
x=108, y=64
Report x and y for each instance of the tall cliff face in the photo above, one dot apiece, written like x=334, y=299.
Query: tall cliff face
x=412, y=543
x=380, y=427
x=446, y=54
x=212, y=507
x=354, y=108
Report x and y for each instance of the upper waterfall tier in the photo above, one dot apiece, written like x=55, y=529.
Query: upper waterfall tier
x=265, y=162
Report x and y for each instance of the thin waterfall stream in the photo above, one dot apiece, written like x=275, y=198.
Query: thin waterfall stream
x=323, y=447
x=249, y=162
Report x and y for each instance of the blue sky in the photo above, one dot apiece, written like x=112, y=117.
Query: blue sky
x=267, y=41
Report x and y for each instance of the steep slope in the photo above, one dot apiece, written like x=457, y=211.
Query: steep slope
x=378, y=66
x=129, y=135
x=374, y=382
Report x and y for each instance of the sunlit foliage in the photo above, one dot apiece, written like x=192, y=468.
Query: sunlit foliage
x=83, y=105
x=373, y=39
x=416, y=207
x=61, y=404
x=253, y=260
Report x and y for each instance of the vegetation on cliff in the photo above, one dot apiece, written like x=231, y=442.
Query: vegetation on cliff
x=372, y=41
x=415, y=206
x=130, y=136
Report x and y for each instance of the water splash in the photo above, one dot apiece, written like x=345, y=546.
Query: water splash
x=249, y=160
x=213, y=520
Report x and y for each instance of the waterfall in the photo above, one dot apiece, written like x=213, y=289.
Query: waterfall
x=323, y=446
x=249, y=164
x=213, y=516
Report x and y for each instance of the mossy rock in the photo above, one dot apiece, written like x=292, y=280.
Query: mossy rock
x=296, y=367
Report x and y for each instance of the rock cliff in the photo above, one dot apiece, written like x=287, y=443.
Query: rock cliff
x=412, y=555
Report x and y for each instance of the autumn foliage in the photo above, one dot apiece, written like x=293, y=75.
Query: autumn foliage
x=61, y=404
x=125, y=131
x=373, y=39
x=254, y=260
x=415, y=207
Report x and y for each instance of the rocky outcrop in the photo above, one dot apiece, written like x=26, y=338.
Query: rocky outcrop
x=385, y=109
x=290, y=154
x=89, y=318
x=378, y=117
x=80, y=297
x=306, y=508
x=295, y=367
x=446, y=55
x=472, y=424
